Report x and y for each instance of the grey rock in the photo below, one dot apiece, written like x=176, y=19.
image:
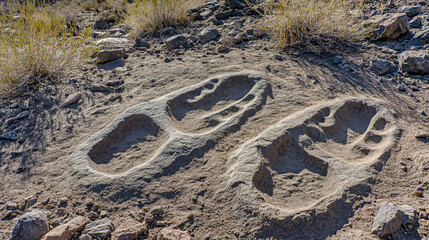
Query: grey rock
x=414, y=62
x=239, y=4
x=176, y=42
x=30, y=226
x=208, y=35
x=9, y=136
x=411, y=11
x=111, y=41
x=71, y=99
x=108, y=55
x=141, y=43
x=416, y=22
x=421, y=37
x=224, y=14
x=337, y=60
x=100, y=229
x=381, y=67
x=388, y=220
x=101, y=25
x=19, y=116
x=168, y=31
x=409, y=215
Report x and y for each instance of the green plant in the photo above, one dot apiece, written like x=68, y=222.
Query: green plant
x=313, y=22
x=147, y=16
x=36, y=44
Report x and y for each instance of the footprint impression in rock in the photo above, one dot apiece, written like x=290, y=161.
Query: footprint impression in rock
x=311, y=159
x=160, y=136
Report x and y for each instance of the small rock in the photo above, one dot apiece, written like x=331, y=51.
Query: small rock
x=168, y=31
x=176, y=42
x=208, y=35
x=108, y=55
x=66, y=231
x=421, y=37
x=101, y=25
x=416, y=23
x=99, y=88
x=422, y=135
x=387, y=221
x=259, y=32
x=111, y=41
x=239, y=4
x=30, y=226
x=9, y=136
x=391, y=27
x=85, y=237
x=381, y=67
x=337, y=60
x=129, y=230
x=141, y=43
x=414, y=62
x=100, y=229
x=71, y=99
x=411, y=11
x=224, y=14
x=170, y=233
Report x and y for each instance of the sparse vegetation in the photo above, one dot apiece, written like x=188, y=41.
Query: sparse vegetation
x=313, y=22
x=147, y=16
x=37, y=44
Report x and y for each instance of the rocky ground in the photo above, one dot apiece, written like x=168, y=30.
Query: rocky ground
x=45, y=192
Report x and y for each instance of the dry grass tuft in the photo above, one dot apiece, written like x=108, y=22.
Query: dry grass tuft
x=37, y=44
x=313, y=23
x=147, y=16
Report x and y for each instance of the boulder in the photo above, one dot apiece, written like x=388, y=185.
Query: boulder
x=68, y=230
x=382, y=67
x=390, y=27
x=388, y=220
x=100, y=229
x=108, y=55
x=176, y=42
x=414, y=62
x=30, y=226
x=170, y=233
x=208, y=35
x=129, y=229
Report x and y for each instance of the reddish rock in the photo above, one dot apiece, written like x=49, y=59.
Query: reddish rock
x=129, y=229
x=66, y=231
x=170, y=233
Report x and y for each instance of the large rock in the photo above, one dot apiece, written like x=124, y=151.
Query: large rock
x=414, y=62
x=170, y=233
x=411, y=11
x=208, y=35
x=108, y=55
x=129, y=229
x=30, y=226
x=68, y=230
x=176, y=42
x=390, y=27
x=100, y=229
x=388, y=220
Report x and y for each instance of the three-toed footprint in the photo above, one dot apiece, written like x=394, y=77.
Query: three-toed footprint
x=310, y=160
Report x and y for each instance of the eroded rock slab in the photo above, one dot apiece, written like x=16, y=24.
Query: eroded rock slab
x=157, y=137
x=301, y=172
